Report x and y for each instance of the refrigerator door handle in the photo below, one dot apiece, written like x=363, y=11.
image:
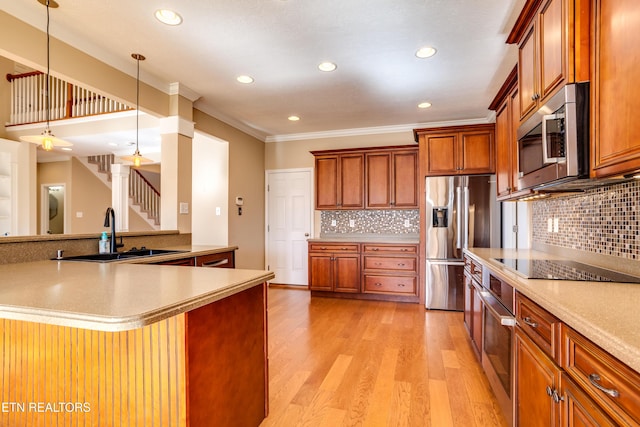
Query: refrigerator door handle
x=465, y=237
x=459, y=231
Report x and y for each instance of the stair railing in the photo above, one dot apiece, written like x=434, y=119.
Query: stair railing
x=29, y=102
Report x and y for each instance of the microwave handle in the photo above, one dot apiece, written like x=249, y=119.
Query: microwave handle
x=545, y=152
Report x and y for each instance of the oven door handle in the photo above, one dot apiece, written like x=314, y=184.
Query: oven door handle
x=497, y=310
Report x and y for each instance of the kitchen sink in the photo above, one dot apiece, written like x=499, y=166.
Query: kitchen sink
x=118, y=256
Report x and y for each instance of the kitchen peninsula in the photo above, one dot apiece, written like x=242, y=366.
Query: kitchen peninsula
x=126, y=344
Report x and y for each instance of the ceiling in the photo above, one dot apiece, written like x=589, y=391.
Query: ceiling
x=378, y=82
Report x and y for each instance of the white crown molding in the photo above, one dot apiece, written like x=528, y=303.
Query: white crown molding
x=178, y=88
x=371, y=130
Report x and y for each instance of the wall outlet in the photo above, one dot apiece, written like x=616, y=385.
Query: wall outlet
x=79, y=214
x=556, y=224
x=334, y=222
x=407, y=223
x=184, y=208
x=352, y=223
x=550, y=225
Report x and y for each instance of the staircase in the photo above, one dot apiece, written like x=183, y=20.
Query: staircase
x=143, y=197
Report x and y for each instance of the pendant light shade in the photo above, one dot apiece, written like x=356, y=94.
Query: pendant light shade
x=136, y=158
x=46, y=138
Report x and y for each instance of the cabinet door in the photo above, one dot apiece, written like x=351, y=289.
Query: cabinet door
x=578, y=409
x=442, y=154
x=405, y=180
x=378, y=180
x=321, y=272
x=476, y=312
x=552, y=47
x=346, y=273
x=615, y=105
x=527, y=73
x=327, y=182
x=477, y=152
x=513, y=140
x=468, y=304
x=351, y=181
x=503, y=149
x=536, y=378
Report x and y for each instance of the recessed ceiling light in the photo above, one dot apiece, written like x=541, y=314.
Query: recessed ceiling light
x=327, y=66
x=168, y=17
x=67, y=149
x=294, y=118
x=426, y=52
x=424, y=105
x=245, y=79
x=112, y=144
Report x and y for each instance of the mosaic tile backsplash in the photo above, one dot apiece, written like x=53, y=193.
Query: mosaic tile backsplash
x=370, y=222
x=604, y=220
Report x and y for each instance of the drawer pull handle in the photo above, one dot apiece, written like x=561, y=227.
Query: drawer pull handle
x=527, y=320
x=401, y=285
x=374, y=249
x=401, y=264
x=594, y=378
x=378, y=284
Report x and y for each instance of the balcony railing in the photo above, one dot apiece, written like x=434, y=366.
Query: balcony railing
x=29, y=100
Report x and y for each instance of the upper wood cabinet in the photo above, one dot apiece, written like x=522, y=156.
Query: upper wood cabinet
x=506, y=106
x=340, y=181
x=392, y=179
x=553, y=39
x=367, y=178
x=456, y=150
x=615, y=94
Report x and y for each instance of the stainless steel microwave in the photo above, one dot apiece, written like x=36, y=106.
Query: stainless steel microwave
x=553, y=144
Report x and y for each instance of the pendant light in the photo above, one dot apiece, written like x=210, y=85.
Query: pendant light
x=137, y=158
x=46, y=138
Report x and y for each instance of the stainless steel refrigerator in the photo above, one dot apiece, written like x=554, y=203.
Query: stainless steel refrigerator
x=458, y=215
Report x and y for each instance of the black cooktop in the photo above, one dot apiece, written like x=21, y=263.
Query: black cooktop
x=564, y=270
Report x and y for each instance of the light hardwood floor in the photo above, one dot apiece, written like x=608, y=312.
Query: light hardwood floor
x=338, y=362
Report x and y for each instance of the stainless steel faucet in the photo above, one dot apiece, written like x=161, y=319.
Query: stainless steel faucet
x=111, y=213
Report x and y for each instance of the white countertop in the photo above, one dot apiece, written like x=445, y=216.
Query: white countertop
x=606, y=313
x=115, y=296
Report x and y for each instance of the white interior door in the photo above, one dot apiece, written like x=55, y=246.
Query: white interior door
x=289, y=224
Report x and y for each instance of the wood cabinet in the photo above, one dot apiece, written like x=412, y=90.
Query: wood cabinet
x=461, y=150
x=367, y=178
x=334, y=267
x=552, y=38
x=578, y=408
x=537, y=379
x=392, y=179
x=390, y=269
x=506, y=106
x=380, y=271
x=609, y=382
x=220, y=260
x=615, y=145
x=473, y=303
x=339, y=181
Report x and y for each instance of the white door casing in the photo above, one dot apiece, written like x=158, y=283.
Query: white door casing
x=289, y=223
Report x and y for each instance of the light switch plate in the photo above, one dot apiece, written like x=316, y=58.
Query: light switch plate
x=218, y=210
x=334, y=223
x=184, y=208
x=352, y=223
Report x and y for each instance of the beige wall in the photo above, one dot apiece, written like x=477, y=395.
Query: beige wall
x=246, y=179
x=6, y=67
x=295, y=154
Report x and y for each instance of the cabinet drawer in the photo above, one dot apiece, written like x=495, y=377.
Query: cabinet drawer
x=389, y=284
x=390, y=263
x=221, y=260
x=333, y=247
x=540, y=325
x=474, y=268
x=391, y=249
x=608, y=381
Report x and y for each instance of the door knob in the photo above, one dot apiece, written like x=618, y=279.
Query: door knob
x=306, y=234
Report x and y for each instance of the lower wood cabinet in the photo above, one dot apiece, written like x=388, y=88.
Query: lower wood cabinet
x=473, y=303
x=220, y=260
x=367, y=271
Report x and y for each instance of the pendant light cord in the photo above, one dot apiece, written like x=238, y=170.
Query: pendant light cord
x=48, y=68
x=137, y=102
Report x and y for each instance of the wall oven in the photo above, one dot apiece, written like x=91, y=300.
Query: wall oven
x=498, y=332
x=553, y=144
